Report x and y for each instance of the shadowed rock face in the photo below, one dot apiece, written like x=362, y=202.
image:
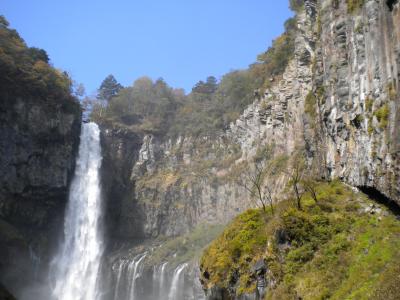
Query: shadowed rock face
x=5, y=295
x=38, y=142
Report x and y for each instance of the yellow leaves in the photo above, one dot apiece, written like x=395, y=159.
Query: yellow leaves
x=41, y=67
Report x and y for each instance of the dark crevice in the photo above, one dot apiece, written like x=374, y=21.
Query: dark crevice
x=391, y=4
x=377, y=196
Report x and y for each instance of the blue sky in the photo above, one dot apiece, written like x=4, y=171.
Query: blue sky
x=182, y=41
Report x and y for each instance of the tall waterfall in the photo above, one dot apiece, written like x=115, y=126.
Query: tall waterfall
x=75, y=268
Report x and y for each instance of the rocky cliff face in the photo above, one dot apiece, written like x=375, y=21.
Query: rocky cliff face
x=358, y=66
x=38, y=141
x=168, y=186
x=338, y=99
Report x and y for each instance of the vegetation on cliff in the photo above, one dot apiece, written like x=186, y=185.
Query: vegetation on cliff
x=25, y=71
x=342, y=246
x=154, y=107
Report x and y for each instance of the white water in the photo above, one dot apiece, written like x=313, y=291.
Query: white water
x=75, y=268
x=162, y=279
x=177, y=283
x=134, y=270
x=132, y=281
x=128, y=271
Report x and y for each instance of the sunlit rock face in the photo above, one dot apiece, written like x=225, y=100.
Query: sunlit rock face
x=347, y=63
x=358, y=64
x=350, y=62
x=38, y=143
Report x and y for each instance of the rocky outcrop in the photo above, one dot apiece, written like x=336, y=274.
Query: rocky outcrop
x=167, y=187
x=38, y=142
x=338, y=98
x=358, y=66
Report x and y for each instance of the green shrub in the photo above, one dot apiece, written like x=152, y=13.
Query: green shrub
x=335, y=253
x=26, y=71
x=382, y=115
x=310, y=105
x=354, y=5
x=369, y=104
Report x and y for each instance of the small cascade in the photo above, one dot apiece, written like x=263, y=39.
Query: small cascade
x=177, y=285
x=128, y=271
x=134, y=270
x=161, y=287
x=35, y=261
x=133, y=280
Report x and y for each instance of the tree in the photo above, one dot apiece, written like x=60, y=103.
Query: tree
x=109, y=88
x=310, y=185
x=296, y=5
x=38, y=54
x=3, y=21
x=209, y=87
x=253, y=181
x=258, y=178
x=78, y=89
x=296, y=177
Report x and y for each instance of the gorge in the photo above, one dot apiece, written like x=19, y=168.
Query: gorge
x=154, y=198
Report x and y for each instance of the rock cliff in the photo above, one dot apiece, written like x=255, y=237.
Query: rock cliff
x=38, y=142
x=338, y=99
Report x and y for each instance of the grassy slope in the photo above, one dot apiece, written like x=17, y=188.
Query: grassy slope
x=332, y=249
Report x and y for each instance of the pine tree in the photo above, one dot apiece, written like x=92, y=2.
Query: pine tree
x=109, y=88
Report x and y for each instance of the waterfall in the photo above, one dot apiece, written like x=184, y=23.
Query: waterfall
x=75, y=268
x=134, y=271
x=35, y=261
x=177, y=283
x=134, y=281
x=128, y=271
x=162, y=279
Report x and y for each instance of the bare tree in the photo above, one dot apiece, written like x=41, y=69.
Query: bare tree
x=310, y=185
x=258, y=178
x=253, y=181
x=296, y=177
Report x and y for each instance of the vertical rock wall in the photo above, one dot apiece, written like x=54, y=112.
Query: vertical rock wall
x=38, y=142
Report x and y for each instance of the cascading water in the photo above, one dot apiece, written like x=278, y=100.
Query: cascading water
x=128, y=271
x=177, y=283
x=75, y=269
x=162, y=279
x=134, y=281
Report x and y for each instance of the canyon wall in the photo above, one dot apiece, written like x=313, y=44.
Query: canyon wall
x=338, y=100
x=38, y=143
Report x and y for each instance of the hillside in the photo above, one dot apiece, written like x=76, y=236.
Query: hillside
x=342, y=246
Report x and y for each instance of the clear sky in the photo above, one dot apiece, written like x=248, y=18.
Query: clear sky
x=182, y=41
